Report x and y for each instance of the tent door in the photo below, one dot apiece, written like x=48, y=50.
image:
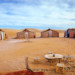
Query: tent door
x=26, y=35
x=1, y=33
x=67, y=34
x=74, y=35
x=50, y=33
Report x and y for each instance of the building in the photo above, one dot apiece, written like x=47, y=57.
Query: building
x=26, y=34
x=49, y=33
x=70, y=33
x=3, y=35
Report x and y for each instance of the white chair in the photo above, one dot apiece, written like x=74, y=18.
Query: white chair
x=37, y=60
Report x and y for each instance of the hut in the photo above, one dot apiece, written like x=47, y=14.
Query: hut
x=3, y=35
x=26, y=33
x=70, y=33
x=49, y=33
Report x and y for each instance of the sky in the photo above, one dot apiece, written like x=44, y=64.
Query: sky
x=42, y=14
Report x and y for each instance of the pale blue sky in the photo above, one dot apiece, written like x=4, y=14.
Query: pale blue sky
x=57, y=14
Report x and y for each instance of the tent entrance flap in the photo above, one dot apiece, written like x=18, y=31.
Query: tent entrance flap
x=26, y=35
x=1, y=35
x=50, y=33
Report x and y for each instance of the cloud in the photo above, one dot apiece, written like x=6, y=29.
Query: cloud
x=56, y=13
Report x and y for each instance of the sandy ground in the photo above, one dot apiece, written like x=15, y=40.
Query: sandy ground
x=14, y=51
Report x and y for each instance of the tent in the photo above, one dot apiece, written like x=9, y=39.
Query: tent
x=70, y=33
x=49, y=33
x=3, y=35
x=26, y=33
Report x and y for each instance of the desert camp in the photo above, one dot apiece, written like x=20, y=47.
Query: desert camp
x=37, y=37
x=70, y=33
x=26, y=33
x=49, y=33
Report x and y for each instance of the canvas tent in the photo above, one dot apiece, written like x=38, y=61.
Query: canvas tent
x=26, y=33
x=49, y=33
x=70, y=33
x=3, y=35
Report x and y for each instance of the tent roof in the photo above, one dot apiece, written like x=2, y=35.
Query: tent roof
x=27, y=30
x=48, y=30
x=72, y=29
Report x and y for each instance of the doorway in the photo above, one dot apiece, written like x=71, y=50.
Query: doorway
x=50, y=33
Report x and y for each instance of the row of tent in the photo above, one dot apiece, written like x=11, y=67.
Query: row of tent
x=70, y=33
x=44, y=34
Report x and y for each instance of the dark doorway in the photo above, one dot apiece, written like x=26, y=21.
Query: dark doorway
x=74, y=35
x=67, y=33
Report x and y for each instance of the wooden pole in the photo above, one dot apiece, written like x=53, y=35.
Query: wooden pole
x=26, y=62
x=59, y=60
x=27, y=66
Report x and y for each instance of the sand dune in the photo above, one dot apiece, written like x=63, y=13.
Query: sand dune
x=11, y=32
x=61, y=33
x=34, y=30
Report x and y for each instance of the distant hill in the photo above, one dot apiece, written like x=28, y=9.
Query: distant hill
x=34, y=30
x=61, y=31
x=11, y=32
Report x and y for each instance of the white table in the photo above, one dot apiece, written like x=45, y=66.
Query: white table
x=54, y=56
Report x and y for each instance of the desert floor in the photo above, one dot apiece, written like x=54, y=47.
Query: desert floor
x=14, y=51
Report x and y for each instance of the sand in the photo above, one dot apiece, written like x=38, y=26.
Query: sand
x=11, y=32
x=14, y=51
